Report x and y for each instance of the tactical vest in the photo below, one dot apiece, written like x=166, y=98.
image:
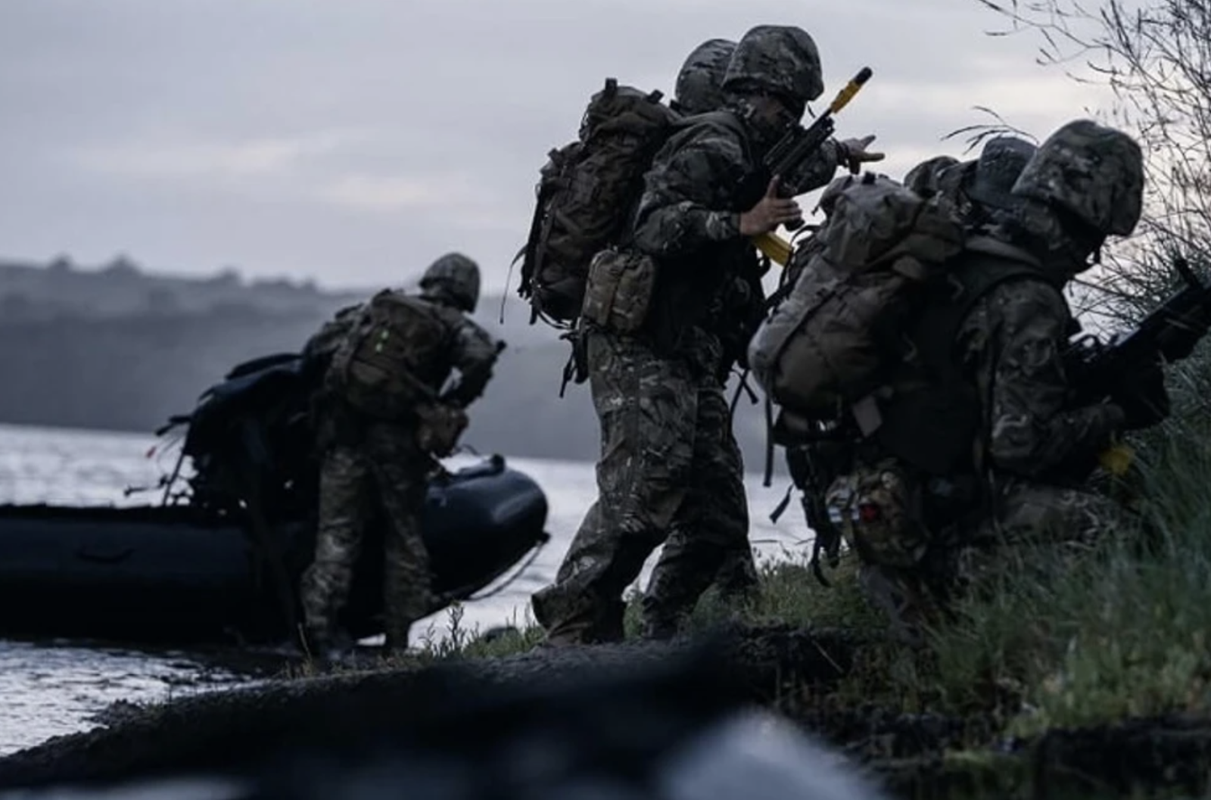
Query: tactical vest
x=930, y=413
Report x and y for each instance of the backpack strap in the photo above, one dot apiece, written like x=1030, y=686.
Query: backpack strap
x=932, y=429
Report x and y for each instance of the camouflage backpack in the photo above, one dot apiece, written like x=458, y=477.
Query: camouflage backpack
x=829, y=339
x=586, y=192
x=394, y=358
x=319, y=349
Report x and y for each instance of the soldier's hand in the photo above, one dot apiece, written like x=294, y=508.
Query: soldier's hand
x=770, y=212
x=852, y=153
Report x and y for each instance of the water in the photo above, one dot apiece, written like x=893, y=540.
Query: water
x=56, y=688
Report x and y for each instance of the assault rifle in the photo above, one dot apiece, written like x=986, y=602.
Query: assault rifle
x=1169, y=334
x=789, y=160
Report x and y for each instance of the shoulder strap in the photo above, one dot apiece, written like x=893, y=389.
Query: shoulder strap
x=964, y=286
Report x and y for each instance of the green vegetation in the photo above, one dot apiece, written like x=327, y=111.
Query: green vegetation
x=1122, y=630
x=1065, y=638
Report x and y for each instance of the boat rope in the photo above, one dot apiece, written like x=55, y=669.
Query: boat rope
x=526, y=565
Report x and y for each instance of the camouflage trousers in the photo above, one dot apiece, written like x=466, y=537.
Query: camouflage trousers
x=670, y=473
x=909, y=570
x=384, y=470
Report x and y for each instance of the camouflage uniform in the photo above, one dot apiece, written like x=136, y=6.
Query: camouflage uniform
x=370, y=464
x=670, y=470
x=699, y=90
x=1031, y=452
x=971, y=190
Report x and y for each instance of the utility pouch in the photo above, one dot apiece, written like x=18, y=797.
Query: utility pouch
x=619, y=291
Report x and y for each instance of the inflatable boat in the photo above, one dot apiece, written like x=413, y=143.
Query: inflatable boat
x=220, y=561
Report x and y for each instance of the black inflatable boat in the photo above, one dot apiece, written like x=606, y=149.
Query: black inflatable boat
x=220, y=559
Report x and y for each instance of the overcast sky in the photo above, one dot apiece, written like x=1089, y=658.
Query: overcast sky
x=352, y=141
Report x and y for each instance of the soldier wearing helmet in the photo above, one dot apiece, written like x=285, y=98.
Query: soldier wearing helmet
x=670, y=471
x=381, y=417
x=989, y=387
x=974, y=189
x=699, y=86
x=925, y=178
x=699, y=90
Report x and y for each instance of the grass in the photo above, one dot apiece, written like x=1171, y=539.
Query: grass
x=1123, y=631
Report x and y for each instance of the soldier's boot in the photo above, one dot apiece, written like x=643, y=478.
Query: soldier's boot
x=660, y=629
x=327, y=646
x=661, y=620
x=398, y=619
x=584, y=622
x=737, y=580
x=395, y=643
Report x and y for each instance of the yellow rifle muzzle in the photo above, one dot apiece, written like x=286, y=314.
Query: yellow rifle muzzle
x=850, y=89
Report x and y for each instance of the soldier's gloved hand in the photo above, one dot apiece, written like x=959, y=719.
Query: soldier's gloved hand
x=771, y=211
x=1143, y=397
x=852, y=153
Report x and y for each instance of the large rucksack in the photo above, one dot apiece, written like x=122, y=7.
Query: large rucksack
x=586, y=193
x=831, y=338
x=319, y=349
x=394, y=357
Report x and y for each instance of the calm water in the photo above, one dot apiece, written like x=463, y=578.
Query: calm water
x=54, y=688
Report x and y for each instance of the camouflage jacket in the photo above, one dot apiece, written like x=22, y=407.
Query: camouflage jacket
x=473, y=354
x=688, y=218
x=1011, y=344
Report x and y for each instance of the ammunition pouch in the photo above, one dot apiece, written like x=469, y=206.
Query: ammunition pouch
x=619, y=291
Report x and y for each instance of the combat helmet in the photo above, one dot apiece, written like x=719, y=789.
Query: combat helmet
x=781, y=59
x=1001, y=162
x=700, y=82
x=455, y=277
x=1093, y=172
x=924, y=177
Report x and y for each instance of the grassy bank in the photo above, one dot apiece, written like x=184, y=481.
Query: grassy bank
x=1121, y=631
x=1057, y=680
x=1105, y=652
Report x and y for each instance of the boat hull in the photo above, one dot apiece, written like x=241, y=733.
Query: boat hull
x=164, y=574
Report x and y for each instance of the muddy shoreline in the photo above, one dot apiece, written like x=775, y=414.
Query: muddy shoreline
x=235, y=732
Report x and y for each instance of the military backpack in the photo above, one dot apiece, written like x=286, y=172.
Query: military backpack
x=319, y=349
x=829, y=341
x=586, y=193
x=394, y=357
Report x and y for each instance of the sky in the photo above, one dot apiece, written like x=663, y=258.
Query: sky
x=353, y=141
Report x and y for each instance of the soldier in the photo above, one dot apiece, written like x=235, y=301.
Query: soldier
x=670, y=468
x=699, y=86
x=924, y=178
x=973, y=188
x=384, y=417
x=987, y=453
x=699, y=90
